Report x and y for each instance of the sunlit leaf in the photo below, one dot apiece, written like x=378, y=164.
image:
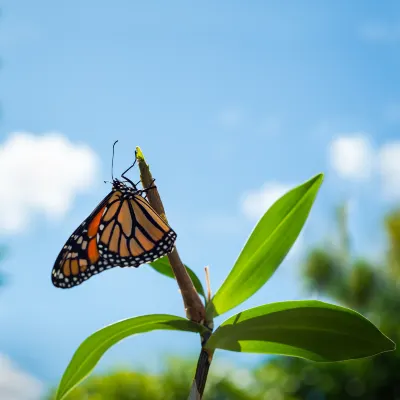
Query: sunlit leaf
x=266, y=247
x=308, y=329
x=163, y=266
x=92, y=349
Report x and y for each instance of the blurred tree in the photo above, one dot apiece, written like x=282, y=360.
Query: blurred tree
x=369, y=288
x=392, y=223
x=173, y=384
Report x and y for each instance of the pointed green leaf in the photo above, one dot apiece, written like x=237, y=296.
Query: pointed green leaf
x=93, y=348
x=163, y=266
x=266, y=247
x=310, y=329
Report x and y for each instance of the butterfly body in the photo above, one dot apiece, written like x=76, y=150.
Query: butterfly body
x=123, y=230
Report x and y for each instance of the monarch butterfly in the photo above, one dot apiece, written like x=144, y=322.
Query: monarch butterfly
x=123, y=230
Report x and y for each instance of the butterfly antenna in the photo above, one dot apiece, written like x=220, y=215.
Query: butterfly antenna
x=112, y=160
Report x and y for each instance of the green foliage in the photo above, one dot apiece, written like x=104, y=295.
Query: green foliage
x=121, y=385
x=172, y=383
x=322, y=268
x=309, y=329
x=362, y=283
x=93, y=348
x=267, y=246
x=392, y=223
x=163, y=266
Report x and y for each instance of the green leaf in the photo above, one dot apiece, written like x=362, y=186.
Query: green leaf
x=266, y=247
x=92, y=349
x=310, y=329
x=163, y=266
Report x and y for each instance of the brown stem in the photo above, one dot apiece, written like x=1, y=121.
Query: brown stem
x=203, y=365
x=194, y=307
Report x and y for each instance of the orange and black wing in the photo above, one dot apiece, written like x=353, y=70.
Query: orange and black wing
x=80, y=256
x=123, y=230
x=131, y=233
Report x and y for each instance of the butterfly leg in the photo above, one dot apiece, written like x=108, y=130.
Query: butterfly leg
x=149, y=188
x=123, y=174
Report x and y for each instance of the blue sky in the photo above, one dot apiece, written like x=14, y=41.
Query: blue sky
x=231, y=103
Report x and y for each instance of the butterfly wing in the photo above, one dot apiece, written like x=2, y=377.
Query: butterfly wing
x=80, y=257
x=132, y=233
x=123, y=230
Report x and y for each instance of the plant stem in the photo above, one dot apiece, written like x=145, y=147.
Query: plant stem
x=194, y=307
x=203, y=365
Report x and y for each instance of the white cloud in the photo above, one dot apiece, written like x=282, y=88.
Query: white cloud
x=255, y=203
x=389, y=169
x=352, y=156
x=41, y=174
x=16, y=384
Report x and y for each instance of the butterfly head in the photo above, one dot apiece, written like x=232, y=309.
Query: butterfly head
x=123, y=187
